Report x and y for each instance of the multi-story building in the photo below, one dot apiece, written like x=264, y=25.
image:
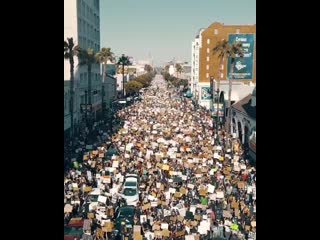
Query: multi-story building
x=244, y=71
x=67, y=118
x=82, y=23
x=243, y=123
x=195, y=63
x=209, y=63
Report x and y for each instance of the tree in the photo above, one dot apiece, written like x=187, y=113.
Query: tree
x=88, y=58
x=148, y=68
x=133, y=87
x=179, y=68
x=166, y=68
x=103, y=57
x=70, y=50
x=224, y=49
x=123, y=61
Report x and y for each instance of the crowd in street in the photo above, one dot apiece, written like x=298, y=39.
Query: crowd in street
x=195, y=182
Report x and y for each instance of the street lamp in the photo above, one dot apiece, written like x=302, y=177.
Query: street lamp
x=123, y=60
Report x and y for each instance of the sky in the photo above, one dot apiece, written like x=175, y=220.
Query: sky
x=165, y=29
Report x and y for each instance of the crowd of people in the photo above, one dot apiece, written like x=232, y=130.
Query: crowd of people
x=195, y=181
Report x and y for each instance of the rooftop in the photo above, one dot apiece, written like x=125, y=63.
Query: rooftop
x=244, y=106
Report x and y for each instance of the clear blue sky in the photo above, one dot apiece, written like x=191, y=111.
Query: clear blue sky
x=165, y=28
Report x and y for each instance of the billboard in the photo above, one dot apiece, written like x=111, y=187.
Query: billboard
x=221, y=109
x=243, y=67
x=205, y=93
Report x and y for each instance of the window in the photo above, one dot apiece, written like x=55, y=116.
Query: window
x=222, y=66
x=216, y=32
x=208, y=41
x=238, y=31
x=85, y=76
x=207, y=67
x=221, y=75
x=88, y=12
x=81, y=77
x=208, y=58
x=207, y=75
x=208, y=50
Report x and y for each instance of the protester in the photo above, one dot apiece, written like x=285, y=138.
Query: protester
x=191, y=185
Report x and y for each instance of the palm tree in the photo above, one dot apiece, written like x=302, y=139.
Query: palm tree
x=70, y=50
x=87, y=57
x=123, y=61
x=235, y=50
x=221, y=49
x=230, y=51
x=102, y=57
x=179, y=68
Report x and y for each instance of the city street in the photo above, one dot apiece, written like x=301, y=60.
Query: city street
x=162, y=175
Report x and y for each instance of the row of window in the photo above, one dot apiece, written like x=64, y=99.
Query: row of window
x=85, y=11
x=216, y=32
x=87, y=43
x=95, y=97
x=207, y=75
x=84, y=28
x=94, y=77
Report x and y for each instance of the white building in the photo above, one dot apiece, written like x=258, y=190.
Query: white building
x=82, y=23
x=243, y=122
x=195, y=65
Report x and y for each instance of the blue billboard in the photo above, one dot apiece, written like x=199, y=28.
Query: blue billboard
x=243, y=67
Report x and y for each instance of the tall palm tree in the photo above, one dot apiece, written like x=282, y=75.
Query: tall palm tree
x=103, y=57
x=71, y=50
x=88, y=58
x=221, y=49
x=123, y=61
x=235, y=50
x=179, y=69
x=230, y=51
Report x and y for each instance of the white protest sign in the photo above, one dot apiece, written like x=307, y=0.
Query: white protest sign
x=89, y=175
x=172, y=190
x=182, y=211
x=193, y=209
x=115, y=164
x=102, y=199
x=189, y=237
x=220, y=194
x=166, y=212
x=164, y=225
x=210, y=188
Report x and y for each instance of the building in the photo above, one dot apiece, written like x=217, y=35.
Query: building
x=67, y=117
x=208, y=64
x=195, y=63
x=243, y=123
x=82, y=23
